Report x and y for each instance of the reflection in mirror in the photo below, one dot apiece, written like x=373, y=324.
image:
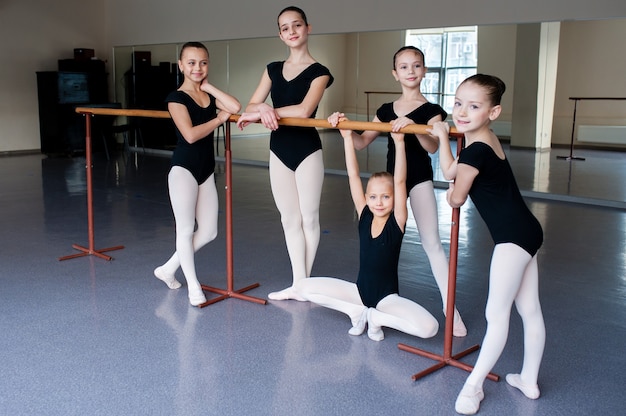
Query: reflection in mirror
x=361, y=62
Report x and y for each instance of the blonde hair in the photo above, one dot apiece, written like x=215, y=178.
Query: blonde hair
x=381, y=175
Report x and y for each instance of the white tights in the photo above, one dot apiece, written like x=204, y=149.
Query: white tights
x=297, y=196
x=191, y=203
x=392, y=311
x=424, y=208
x=513, y=277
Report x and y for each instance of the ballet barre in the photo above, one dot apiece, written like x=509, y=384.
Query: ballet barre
x=446, y=359
x=571, y=144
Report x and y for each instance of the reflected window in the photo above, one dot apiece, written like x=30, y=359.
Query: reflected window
x=451, y=56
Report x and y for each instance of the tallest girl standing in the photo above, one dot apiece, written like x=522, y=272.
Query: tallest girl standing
x=296, y=165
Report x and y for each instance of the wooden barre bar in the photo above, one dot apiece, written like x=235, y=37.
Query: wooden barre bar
x=100, y=111
x=287, y=121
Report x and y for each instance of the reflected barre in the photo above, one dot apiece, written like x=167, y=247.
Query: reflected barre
x=286, y=121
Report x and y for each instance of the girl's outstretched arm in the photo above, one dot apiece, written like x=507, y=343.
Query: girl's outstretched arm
x=354, y=176
x=399, y=181
x=361, y=141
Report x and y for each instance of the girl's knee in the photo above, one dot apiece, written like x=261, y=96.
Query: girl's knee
x=310, y=222
x=204, y=237
x=291, y=222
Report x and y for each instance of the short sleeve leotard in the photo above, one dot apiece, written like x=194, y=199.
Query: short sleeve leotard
x=198, y=157
x=419, y=166
x=379, y=256
x=292, y=144
x=499, y=201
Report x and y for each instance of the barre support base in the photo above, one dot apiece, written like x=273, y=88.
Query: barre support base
x=87, y=251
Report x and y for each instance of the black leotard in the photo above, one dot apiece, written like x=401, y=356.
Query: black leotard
x=499, y=201
x=198, y=157
x=419, y=166
x=293, y=144
x=378, y=266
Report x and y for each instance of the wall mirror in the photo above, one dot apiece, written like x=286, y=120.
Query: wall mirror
x=360, y=63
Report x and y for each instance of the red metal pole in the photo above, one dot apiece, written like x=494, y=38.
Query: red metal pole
x=230, y=292
x=86, y=251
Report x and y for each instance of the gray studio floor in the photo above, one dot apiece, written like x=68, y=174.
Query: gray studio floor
x=90, y=336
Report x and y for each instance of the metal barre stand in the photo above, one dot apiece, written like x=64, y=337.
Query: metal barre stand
x=229, y=292
x=86, y=251
x=571, y=146
x=224, y=293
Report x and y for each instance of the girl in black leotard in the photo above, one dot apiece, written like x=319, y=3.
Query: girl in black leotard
x=296, y=165
x=374, y=299
x=483, y=172
x=193, y=108
x=413, y=108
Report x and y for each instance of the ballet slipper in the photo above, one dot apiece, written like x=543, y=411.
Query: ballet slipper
x=286, y=294
x=468, y=401
x=196, y=296
x=458, y=327
x=166, y=278
x=374, y=332
x=359, y=327
x=530, y=391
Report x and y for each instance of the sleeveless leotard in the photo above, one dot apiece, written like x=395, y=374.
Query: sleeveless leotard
x=499, y=201
x=378, y=266
x=293, y=144
x=198, y=157
x=419, y=166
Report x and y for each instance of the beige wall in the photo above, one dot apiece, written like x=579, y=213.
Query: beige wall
x=36, y=33
x=162, y=21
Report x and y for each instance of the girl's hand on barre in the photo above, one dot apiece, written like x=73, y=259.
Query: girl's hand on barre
x=268, y=116
x=440, y=129
x=399, y=123
x=247, y=118
x=335, y=118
